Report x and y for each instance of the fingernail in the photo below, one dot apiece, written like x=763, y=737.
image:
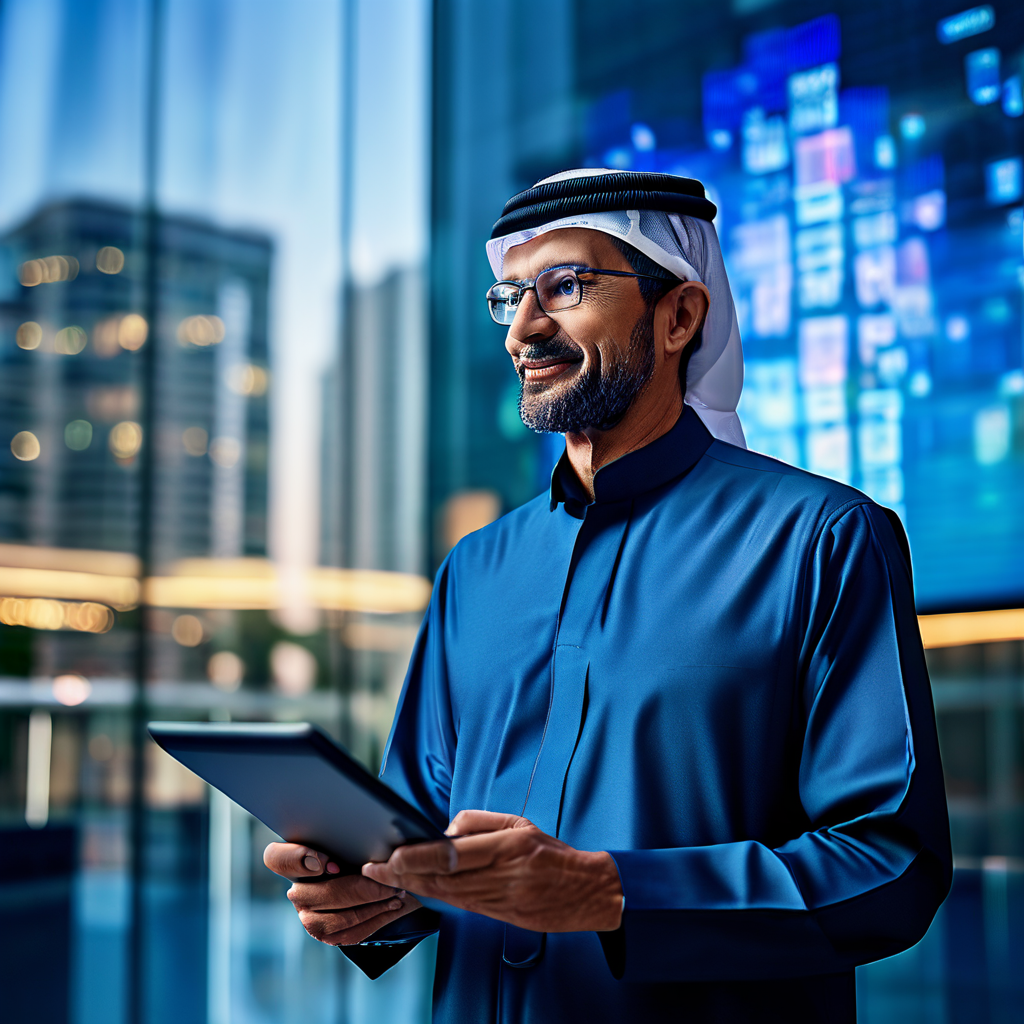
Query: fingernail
x=401, y=894
x=394, y=904
x=312, y=863
x=332, y=867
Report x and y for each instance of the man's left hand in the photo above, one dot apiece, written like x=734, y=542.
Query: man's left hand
x=504, y=867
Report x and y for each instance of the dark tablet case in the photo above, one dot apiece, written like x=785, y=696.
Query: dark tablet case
x=300, y=784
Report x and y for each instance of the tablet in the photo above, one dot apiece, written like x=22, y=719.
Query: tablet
x=301, y=785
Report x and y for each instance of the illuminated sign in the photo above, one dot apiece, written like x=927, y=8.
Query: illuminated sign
x=966, y=23
x=982, y=68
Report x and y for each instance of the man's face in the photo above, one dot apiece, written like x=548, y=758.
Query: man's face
x=580, y=367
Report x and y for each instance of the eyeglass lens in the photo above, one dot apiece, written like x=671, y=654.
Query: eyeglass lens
x=557, y=288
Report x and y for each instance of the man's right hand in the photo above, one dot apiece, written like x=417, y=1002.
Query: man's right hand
x=342, y=910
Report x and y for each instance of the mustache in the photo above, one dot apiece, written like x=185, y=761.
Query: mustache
x=560, y=345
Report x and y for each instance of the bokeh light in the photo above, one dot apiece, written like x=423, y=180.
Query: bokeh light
x=70, y=341
x=71, y=689
x=112, y=403
x=132, y=332
x=195, y=440
x=293, y=667
x=25, y=446
x=46, y=613
x=48, y=270
x=110, y=260
x=78, y=435
x=225, y=451
x=29, y=335
x=225, y=670
x=201, y=331
x=125, y=439
x=248, y=379
x=187, y=630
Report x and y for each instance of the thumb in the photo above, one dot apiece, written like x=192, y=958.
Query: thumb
x=467, y=822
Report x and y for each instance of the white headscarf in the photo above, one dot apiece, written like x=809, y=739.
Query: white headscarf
x=688, y=248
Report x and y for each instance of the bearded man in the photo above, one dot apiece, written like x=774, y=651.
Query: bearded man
x=676, y=710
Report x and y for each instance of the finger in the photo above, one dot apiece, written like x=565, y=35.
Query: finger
x=295, y=861
x=366, y=930
x=419, y=859
x=482, y=821
x=321, y=923
x=338, y=893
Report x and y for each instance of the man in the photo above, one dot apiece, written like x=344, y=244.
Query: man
x=676, y=710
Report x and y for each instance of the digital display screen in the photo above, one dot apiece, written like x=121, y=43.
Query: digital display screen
x=874, y=237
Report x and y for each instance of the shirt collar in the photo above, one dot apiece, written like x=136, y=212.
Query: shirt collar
x=664, y=459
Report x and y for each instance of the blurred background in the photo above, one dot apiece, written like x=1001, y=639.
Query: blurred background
x=250, y=396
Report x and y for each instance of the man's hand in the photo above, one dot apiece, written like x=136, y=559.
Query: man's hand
x=340, y=911
x=509, y=870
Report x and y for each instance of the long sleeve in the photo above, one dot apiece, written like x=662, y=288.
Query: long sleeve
x=865, y=878
x=417, y=764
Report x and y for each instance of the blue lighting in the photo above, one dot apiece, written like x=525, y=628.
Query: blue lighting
x=813, y=43
x=982, y=67
x=911, y=126
x=720, y=139
x=885, y=152
x=643, y=138
x=1013, y=97
x=966, y=23
x=1004, y=181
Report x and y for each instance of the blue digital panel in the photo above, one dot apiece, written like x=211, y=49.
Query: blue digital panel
x=877, y=264
x=966, y=23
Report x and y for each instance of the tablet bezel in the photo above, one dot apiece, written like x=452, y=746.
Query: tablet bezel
x=271, y=737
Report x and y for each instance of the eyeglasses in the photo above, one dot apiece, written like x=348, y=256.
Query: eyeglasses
x=557, y=288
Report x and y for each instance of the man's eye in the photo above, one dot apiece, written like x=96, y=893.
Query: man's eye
x=567, y=286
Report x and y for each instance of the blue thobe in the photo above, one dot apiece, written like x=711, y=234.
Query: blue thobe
x=714, y=672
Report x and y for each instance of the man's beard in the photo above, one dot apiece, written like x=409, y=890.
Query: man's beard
x=598, y=398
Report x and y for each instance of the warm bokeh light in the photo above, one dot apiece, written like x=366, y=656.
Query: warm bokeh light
x=225, y=670
x=31, y=272
x=378, y=636
x=70, y=341
x=110, y=578
x=368, y=590
x=78, y=435
x=29, y=335
x=293, y=668
x=125, y=439
x=225, y=451
x=45, y=613
x=959, y=628
x=187, y=630
x=112, y=403
x=25, y=446
x=71, y=689
x=201, y=330
x=132, y=332
x=248, y=379
x=110, y=260
x=236, y=583
x=120, y=592
x=48, y=270
x=104, y=337
x=195, y=440
x=468, y=511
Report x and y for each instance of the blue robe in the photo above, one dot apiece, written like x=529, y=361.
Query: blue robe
x=714, y=672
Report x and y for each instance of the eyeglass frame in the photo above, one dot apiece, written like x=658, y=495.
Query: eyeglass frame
x=530, y=284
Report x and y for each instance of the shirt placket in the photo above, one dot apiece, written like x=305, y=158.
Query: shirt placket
x=596, y=555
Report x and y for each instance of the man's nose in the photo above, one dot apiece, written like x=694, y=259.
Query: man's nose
x=530, y=323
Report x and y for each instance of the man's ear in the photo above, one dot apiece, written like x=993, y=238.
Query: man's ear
x=684, y=309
